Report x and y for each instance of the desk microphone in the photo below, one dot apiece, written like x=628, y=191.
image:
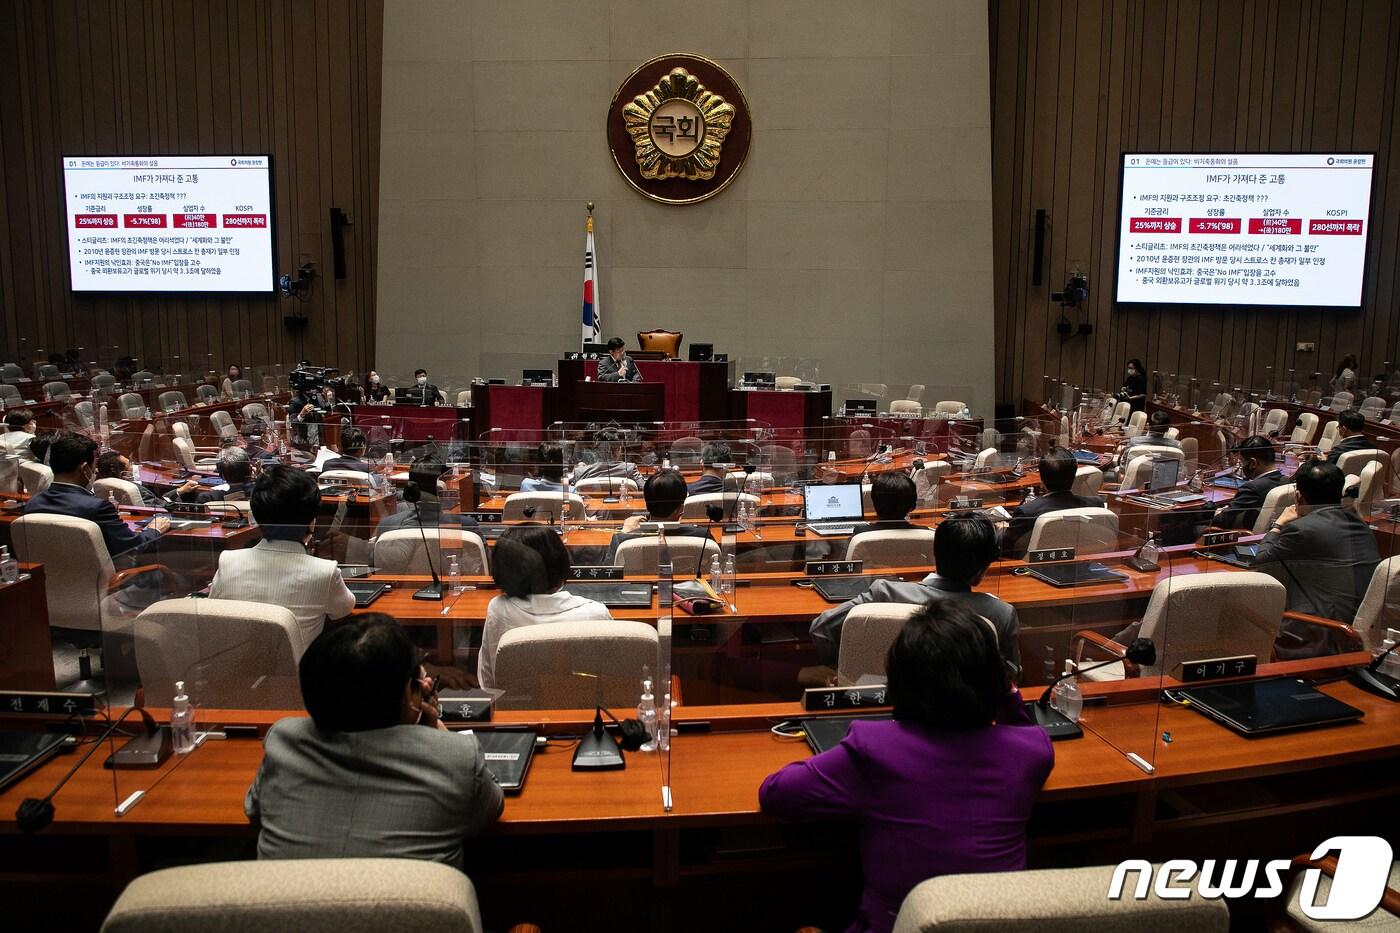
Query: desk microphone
x=1141, y=652
x=433, y=591
x=1370, y=678
x=33, y=814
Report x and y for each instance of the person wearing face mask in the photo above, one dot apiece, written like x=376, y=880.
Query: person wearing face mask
x=112, y=465
x=373, y=772
x=1256, y=459
x=1134, y=390
x=20, y=430
x=423, y=392
x=375, y=390
x=232, y=375
x=420, y=502
x=73, y=459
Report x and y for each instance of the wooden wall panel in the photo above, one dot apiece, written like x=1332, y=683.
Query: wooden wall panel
x=1077, y=82
x=299, y=79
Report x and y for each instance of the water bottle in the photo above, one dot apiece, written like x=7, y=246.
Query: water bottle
x=1047, y=668
x=1391, y=665
x=646, y=715
x=728, y=592
x=182, y=721
x=454, y=575
x=624, y=497
x=9, y=567
x=716, y=575
x=1066, y=699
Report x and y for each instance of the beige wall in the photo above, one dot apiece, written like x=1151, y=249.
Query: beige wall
x=858, y=234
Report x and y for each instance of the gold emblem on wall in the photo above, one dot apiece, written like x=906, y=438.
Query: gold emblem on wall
x=679, y=129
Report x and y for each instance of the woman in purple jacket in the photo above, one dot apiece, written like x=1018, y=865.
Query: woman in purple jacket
x=947, y=786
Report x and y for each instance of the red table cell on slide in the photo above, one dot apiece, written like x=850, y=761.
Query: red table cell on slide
x=108, y=221
x=143, y=220
x=1214, y=225
x=258, y=221
x=1155, y=225
x=195, y=221
x=1281, y=226
x=1334, y=227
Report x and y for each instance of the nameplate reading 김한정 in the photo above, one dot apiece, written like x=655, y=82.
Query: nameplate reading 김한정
x=861, y=697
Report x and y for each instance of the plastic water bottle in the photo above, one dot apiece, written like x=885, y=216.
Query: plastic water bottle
x=454, y=575
x=182, y=721
x=9, y=567
x=1391, y=665
x=728, y=590
x=1066, y=699
x=624, y=496
x=646, y=715
x=716, y=575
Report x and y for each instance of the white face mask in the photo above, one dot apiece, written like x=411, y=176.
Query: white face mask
x=374, y=380
x=422, y=380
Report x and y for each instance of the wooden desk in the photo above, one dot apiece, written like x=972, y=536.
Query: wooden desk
x=414, y=424
x=26, y=661
x=514, y=408
x=694, y=391
x=623, y=402
x=792, y=414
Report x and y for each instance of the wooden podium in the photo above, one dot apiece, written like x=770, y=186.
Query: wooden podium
x=694, y=391
x=623, y=402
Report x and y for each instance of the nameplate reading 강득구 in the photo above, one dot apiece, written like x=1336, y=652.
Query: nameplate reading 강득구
x=1242, y=665
x=1047, y=554
x=861, y=697
x=596, y=572
x=832, y=568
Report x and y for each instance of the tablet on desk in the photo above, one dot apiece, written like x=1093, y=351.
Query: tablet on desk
x=613, y=594
x=828, y=731
x=508, y=755
x=366, y=592
x=1260, y=707
x=840, y=589
x=1063, y=575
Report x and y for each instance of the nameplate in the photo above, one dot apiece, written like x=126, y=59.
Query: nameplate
x=598, y=572
x=47, y=703
x=1046, y=554
x=832, y=568
x=964, y=504
x=1210, y=539
x=1242, y=665
x=868, y=695
x=462, y=707
x=485, y=518
x=187, y=508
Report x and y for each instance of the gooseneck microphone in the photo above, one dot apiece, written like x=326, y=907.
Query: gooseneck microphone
x=433, y=591
x=1141, y=652
x=33, y=814
x=1370, y=678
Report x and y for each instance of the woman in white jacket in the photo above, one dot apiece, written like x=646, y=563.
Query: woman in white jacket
x=530, y=565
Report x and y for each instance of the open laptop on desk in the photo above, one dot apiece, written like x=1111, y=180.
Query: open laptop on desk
x=1261, y=707
x=613, y=593
x=833, y=509
x=1241, y=555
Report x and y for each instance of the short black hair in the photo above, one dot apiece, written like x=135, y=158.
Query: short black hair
x=893, y=495
x=352, y=440
x=1319, y=482
x=1159, y=419
x=1352, y=420
x=616, y=343
x=945, y=669
x=419, y=372
x=716, y=453
x=285, y=497
x=69, y=451
x=964, y=546
x=109, y=464
x=1138, y=363
x=354, y=674
x=423, y=475
x=1256, y=447
x=664, y=492
x=551, y=462
x=529, y=560
x=17, y=418
x=1057, y=469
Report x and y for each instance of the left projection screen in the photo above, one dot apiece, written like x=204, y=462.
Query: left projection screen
x=169, y=223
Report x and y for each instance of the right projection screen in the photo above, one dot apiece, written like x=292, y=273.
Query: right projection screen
x=1249, y=230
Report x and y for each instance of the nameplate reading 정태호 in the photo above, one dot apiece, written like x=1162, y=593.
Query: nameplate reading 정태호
x=1044, y=555
x=832, y=568
x=867, y=695
x=596, y=572
x=1243, y=665
x=1220, y=537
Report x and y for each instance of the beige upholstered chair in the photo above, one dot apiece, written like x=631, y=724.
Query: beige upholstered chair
x=916, y=392
x=1207, y=615
x=56, y=391
x=185, y=456
x=11, y=372
x=1137, y=423
x=1380, y=607
x=223, y=424
x=544, y=507
x=538, y=666
x=255, y=411
x=906, y=407
x=1089, y=530
x=207, y=394
x=464, y=398
x=695, y=506
x=987, y=458
x=738, y=479
x=900, y=547
x=1172, y=434
x=34, y=477
x=1342, y=401
x=1050, y=900
x=242, y=388
x=866, y=637
x=1329, y=437
x=926, y=480
x=84, y=415
x=1121, y=411
x=690, y=555
x=1352, y=462
x=46, y=371
x=687, y=451
x=1278, y=499
x=949, y=407
x=182, y=430
x=10, y=397
x=174, y=400
x=132, y=405
x=1274, y=422
x=404, y=551
x=231, y=654
x=1305, y=430
x=1087, y=481
x=345, y=478
x=786, y=383
x=1138, y=473
x=660, y=341
x=125, y=491
x=1191, y=454
x=1155, y=451
x=1372, y=408
x=1370, y=488
x=613, y=484
x=781, y=460
x=307, y=895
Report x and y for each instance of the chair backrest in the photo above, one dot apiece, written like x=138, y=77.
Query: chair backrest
x=1121, y=411
x=1087, y=481
x=866, y=637
x=132, y=405
x=738, y=479
x=1090, y=530
x=1190, y=454
x=172, y=401
x=180, y=429
x=464, y=398
x=1172, y=434
x=1278, y=499
x=1155, y=451
x=689, y=555
x=987, y=457
x=1342, y=401
x=606, y=484
x=538, y=665
x=1394, y=416
x=230, y=654
x=255, y=411
x=143, y=446
x=1212, y=615
x=34, y=477
x=1370, y=488
x=104, y=380
x=223, y=423
x=143, y=377
x=56, y=390
x=184, y=452
x=1274, y=421
x=1352, y=462
x=781, y=460
x=899, y=547
x=11, y=371
x=695, y=506
x=46, y=371
x=83, y=412
x=949, y=407
x=786, y=382
x=126, y=491
x=660, y=341
x=10, y=397
x=1305, y=430
x=916, y=392
x=330, y=895
x=1051, y=900
x=1329, y=436
x=543, y=506
x=1373, y=406
x=1380, y=607
x=926, y=480
x=1138, y=473
x=346, y=477
x=405, y=550
x=77, y=567
x=207, y=393
x=242, y=388
x=906, y=406
x=687, y=451
x=1137, y=421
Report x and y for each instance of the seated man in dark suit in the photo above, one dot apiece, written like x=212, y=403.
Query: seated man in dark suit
x=73, y=459
x=1256, y=455
x=112, y=465
x=422, y=392
x=1057, y=469
x=665, y=495
x=893, y=495
x=235, y=467
x=609, y=459
x=1323, y=554
x=352, y=446
x=716, y=458
x=421, y=506
x=1351, y=427
x=617, y=366
x=963, y=549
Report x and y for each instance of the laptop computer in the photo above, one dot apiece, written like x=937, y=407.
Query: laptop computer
x=859, y=406
x=840, y=589
x=366, y=591
x=1075, y=574
x=1086, y=456
x=828, y=731
x=833, y=509
x=635, y=594
x=543, y=377
x=1260, y=707
x=1166, y=471
x=22, y=752
x=1241, y=555
x=508, y=755
x=701, y=352
x=1228, y=481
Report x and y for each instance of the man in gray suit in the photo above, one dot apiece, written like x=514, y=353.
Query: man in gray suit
x=617, y=366
x=963, y=549
x=373, y=772
x=1323, y=554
